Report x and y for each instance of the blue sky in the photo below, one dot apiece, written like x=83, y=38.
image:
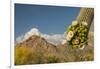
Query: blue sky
x=48, y=19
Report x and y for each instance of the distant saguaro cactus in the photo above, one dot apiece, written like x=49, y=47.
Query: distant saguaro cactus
x=77, y=33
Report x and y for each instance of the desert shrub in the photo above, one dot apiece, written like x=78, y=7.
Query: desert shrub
x=88, y=57
x=36, y=58
x=25, y=55
x=52, y=59
x=75, y=55
x=22, y=55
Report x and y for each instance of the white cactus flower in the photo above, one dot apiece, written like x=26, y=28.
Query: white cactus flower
x=75, y=41
x=69, y=35
x=74, y=23
x=84, y=23
x=68, y=38
x=81, y=47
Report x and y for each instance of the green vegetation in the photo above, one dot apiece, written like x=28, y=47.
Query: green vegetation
x=27, y=55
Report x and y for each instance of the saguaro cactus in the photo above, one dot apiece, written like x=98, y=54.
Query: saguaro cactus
x=86, y=15
x=77, y=33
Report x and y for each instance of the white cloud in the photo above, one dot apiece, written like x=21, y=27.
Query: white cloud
x=33, y=31
x=54, y=38
x=19, y=39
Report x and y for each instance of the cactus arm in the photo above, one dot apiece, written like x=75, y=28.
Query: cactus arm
x=78, y=32
x=86, y=15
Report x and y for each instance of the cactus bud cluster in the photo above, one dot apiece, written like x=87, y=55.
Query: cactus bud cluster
x=76, y=34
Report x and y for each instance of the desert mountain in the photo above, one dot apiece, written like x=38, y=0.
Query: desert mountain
x=39, y=43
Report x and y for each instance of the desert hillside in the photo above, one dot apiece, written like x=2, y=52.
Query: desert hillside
x=36, y=50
